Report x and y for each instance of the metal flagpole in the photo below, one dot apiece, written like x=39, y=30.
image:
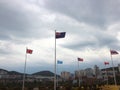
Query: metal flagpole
x=106, y=75
x=57, y=75
x=55, y=65
x=113, y=70
x=58, y=63
x=23, y=86
x=79, y=73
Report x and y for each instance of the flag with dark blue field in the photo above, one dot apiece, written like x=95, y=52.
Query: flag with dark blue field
x=60, y=35
x=80, y=59
x=113, y=52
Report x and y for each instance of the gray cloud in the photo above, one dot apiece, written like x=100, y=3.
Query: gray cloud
x=88, y=25
x=12, y=21
x=92, y=39
x=17, y=21
x=99, y=13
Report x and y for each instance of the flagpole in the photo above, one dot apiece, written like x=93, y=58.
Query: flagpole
x=55, y=65
x=57, y=76
x=106, y=74
x=113, y=69
x=23, y=86
x=79, y=73
x=57, y=35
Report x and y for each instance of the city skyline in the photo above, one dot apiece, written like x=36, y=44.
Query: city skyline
x=59, y=73
x=92, y=29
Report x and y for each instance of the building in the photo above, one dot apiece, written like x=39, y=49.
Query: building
x=119, y=68
x=65, y=75
x=97, y=72
x=79, y=73
x=109, y=71
x=89, y=72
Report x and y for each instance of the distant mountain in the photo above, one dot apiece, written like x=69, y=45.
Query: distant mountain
x=44, y=73
x=14, y=73
x=3, y=71
x=41, y=73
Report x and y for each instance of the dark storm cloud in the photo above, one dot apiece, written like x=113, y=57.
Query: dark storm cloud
x=94, y=12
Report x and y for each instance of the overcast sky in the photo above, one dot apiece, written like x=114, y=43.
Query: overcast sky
x=92, y=28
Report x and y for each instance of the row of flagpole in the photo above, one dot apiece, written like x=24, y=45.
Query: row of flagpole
x=29, y=51
x=57, y=36
x=112, y=52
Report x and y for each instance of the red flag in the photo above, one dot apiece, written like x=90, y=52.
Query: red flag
x=113, y=52
x=80, y=59
x=29, y=51
x=106, y=63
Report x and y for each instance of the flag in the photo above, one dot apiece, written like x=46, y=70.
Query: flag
x=106, y=63
x=29, y=51
x=80, y=59
x=59, y=62
x=113, y=52
x=60, y=35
